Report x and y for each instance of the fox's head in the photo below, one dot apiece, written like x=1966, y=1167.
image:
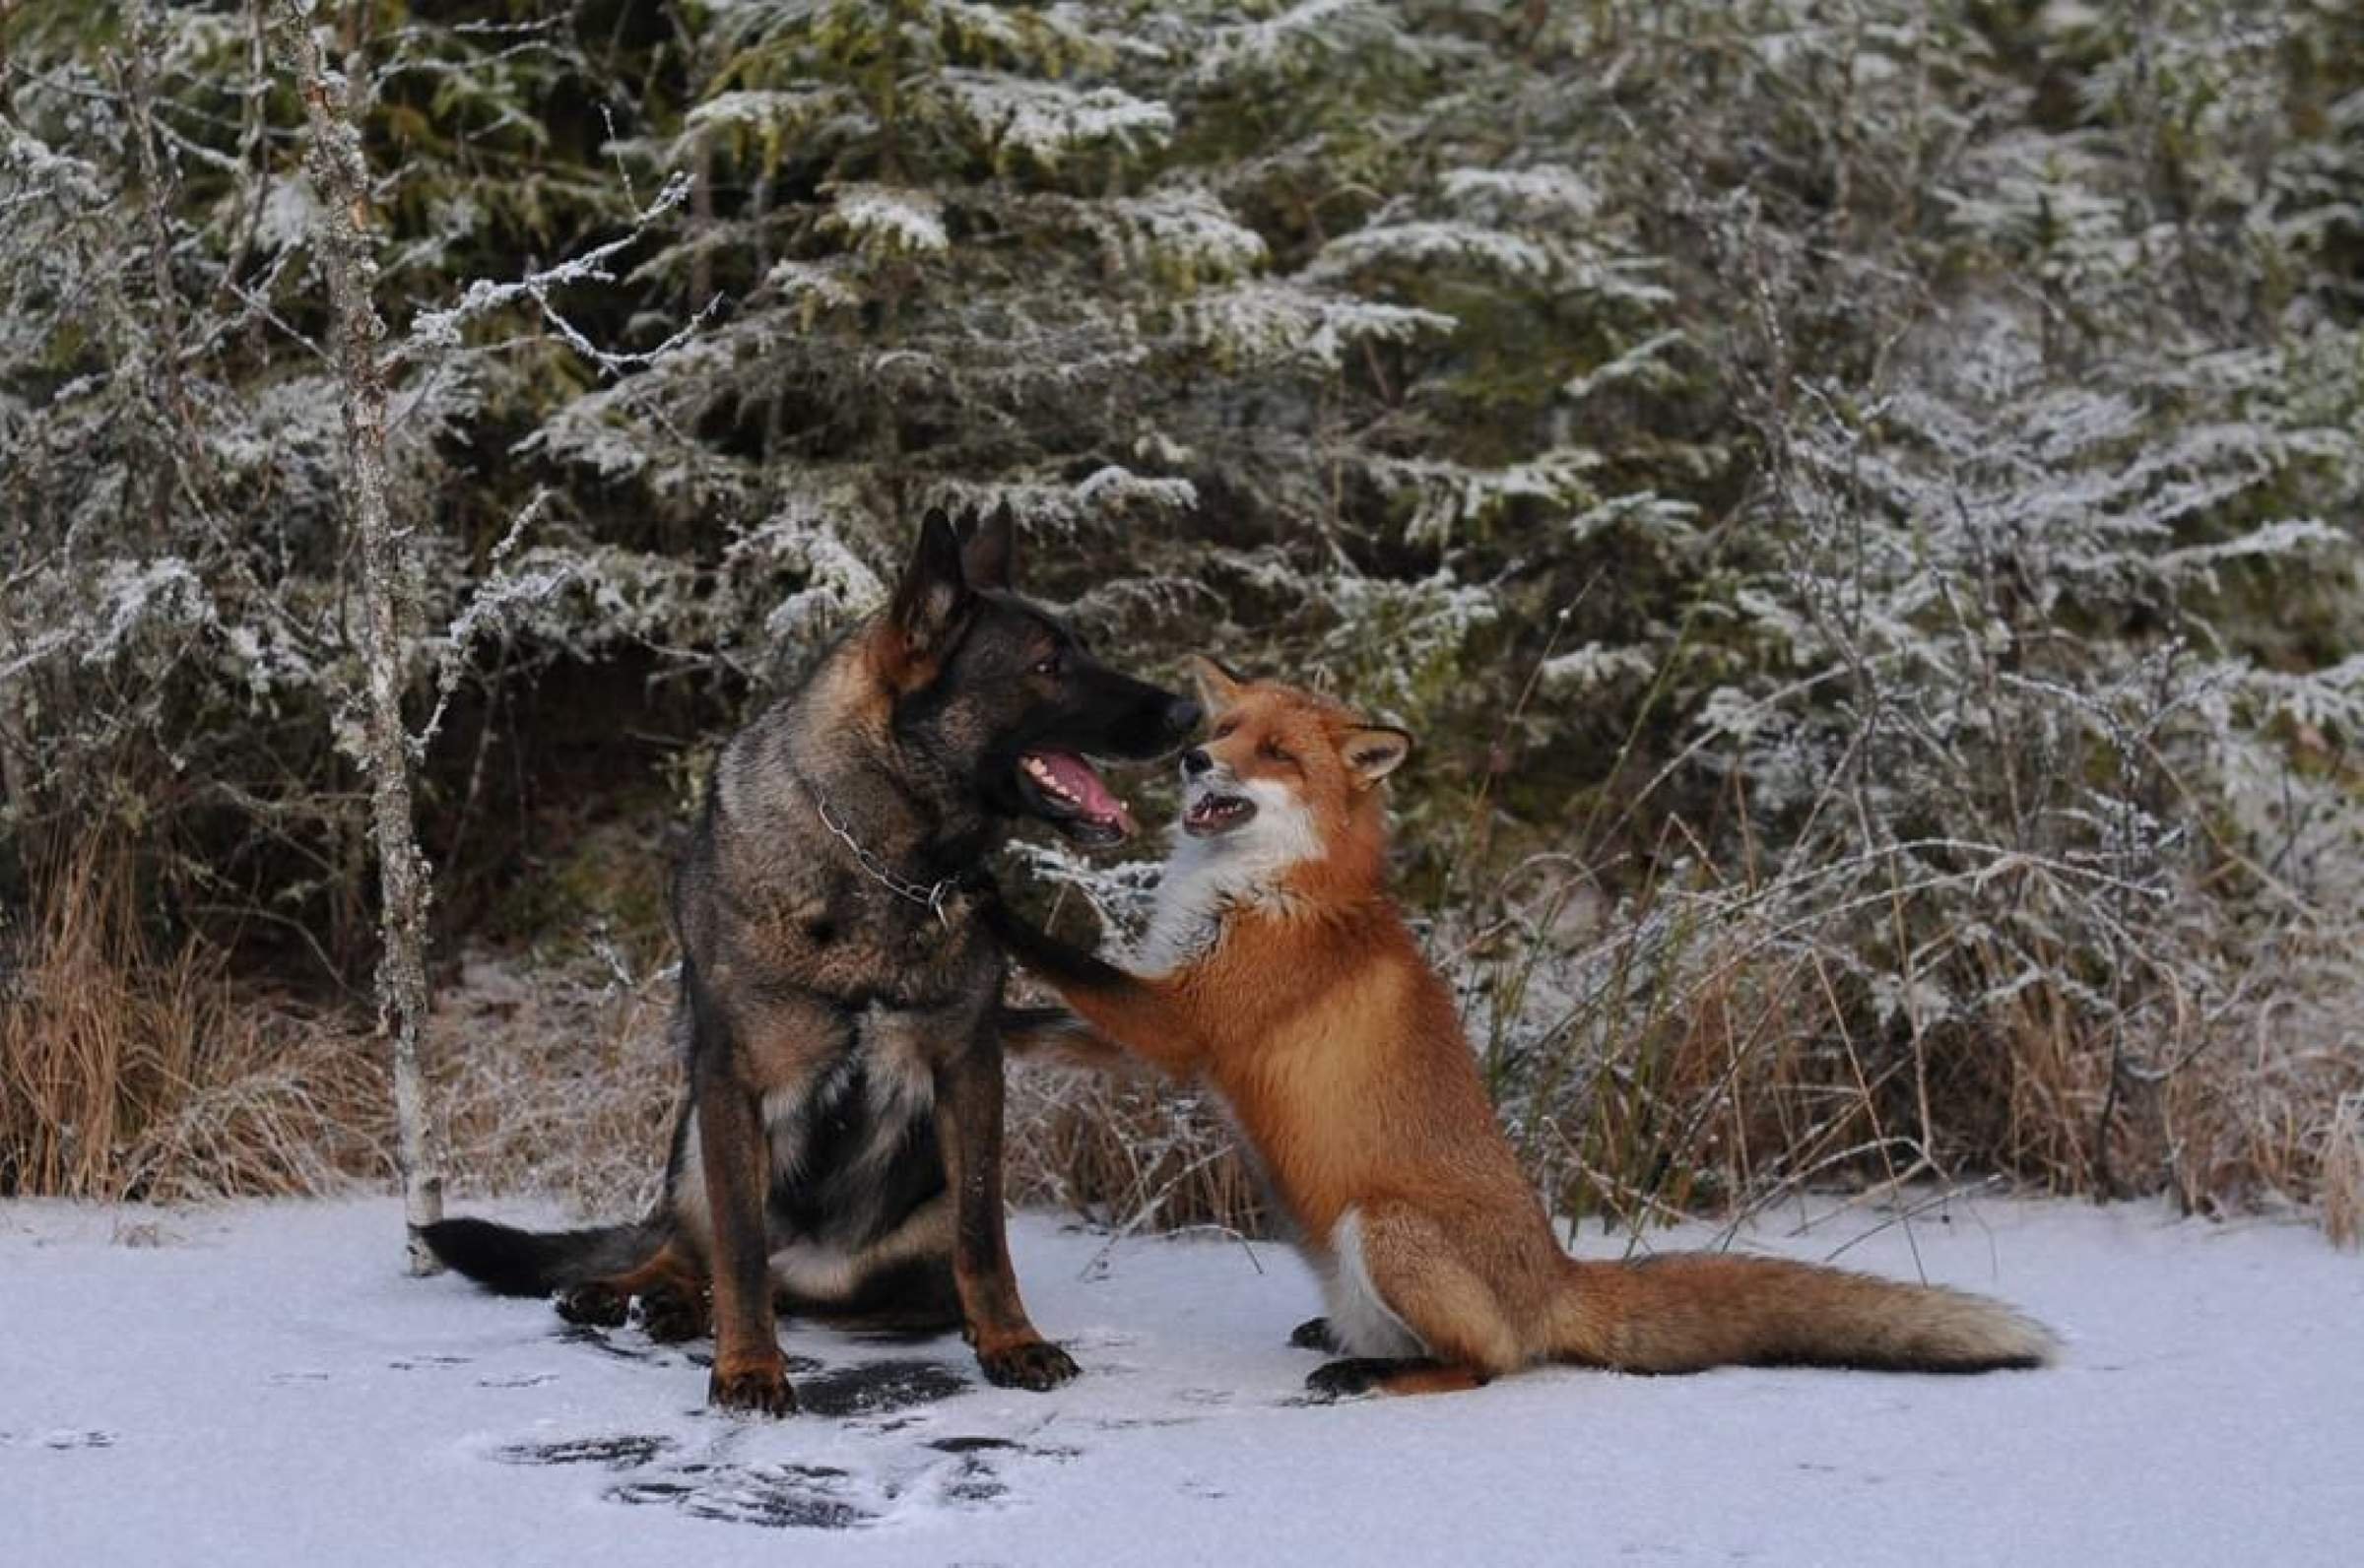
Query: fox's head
x=1285, y=776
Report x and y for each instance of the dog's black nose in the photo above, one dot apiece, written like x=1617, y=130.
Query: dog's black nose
x=1182, y=715
x=1196, y=761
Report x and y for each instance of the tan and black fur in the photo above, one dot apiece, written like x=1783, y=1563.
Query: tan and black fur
x=839, y=1148
x=1279, y=972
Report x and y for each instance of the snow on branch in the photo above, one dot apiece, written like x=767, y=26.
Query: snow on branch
x=887, y=220
x=1048, y=120
x=1290, y=323
x=436, y=331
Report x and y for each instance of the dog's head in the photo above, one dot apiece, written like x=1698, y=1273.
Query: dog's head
x=1002, y=694
x=1284, y=775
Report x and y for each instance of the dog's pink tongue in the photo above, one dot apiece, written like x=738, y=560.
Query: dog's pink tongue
x=1078, y=779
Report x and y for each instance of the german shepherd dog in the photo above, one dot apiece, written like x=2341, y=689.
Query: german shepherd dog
x=840, y=1141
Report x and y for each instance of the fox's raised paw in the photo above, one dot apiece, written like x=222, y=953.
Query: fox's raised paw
x=1314, y=1334
x=760, y=1389
x=1035, y=1364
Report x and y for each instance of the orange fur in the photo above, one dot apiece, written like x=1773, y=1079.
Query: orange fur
x=1309, y=1007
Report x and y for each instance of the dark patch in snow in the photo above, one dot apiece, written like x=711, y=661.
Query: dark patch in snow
x=874, y=1387
x=974, y=1482
x=623, y=1450
x=62, y=1440
x=1001, y=1444
x=517, y=1380
x=427, y=1362
x=775, y=1496
x=283, y=1380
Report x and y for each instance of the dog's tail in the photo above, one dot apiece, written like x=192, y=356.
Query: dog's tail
x=511, y=1262
x=1684, y=1312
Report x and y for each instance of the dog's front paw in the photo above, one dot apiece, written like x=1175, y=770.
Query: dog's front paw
x=1341, y=1380
x=1314, y=1334
x=594, y=1305
x=758, y=1387
x=1035, y=1364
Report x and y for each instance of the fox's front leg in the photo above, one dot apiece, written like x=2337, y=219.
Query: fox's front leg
x=1140, y=1012
x=1056, y=1034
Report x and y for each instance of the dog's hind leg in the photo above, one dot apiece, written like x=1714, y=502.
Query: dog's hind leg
x=671, y=1288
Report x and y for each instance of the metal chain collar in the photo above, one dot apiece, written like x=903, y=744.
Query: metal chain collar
x=930, y=897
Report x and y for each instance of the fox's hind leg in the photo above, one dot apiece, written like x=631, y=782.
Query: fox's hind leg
x=1400, y=1279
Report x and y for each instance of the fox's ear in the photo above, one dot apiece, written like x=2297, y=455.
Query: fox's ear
x=989, y=548
x=1374, y=751
x=931, y=604
x=1218, y=688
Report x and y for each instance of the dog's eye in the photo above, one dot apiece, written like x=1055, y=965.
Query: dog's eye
x=1048, y=664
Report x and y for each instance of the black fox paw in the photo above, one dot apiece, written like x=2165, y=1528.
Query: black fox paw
x=1314, y=1334
x=1035, y=1364
x=1342, y=1380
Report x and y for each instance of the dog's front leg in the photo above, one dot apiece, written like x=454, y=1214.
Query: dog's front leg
x=969, y=1125
x=749, y=1373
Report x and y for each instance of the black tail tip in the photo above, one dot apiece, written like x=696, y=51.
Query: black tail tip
x=500, y=1258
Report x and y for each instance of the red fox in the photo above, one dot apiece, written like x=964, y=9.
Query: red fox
x=1277, y=969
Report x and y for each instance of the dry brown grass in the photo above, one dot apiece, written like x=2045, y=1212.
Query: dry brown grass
x=1127, y=1150
x=125, y=1075
x=556, y=1079
x=1645, y=1070
x=2343, y=1174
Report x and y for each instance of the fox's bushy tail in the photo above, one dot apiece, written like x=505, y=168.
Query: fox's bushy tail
x=536, y=1262
x=1684, y=1312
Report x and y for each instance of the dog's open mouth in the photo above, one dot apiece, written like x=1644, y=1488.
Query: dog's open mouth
x=1069, y=792
x=1212, y=813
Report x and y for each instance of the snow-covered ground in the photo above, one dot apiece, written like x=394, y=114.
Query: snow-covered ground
x=260, y=1385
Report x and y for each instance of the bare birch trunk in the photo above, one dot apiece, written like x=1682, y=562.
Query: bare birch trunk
x=342, y=177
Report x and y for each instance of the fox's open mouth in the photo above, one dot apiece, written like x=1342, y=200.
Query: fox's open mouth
x=1068, y=792
x=1212, y=813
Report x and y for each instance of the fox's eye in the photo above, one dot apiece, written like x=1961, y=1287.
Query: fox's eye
x=1222, y=731
x=1275, y=751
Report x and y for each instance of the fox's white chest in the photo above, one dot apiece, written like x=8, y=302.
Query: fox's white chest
x=1204, y=878
x=1188, y=915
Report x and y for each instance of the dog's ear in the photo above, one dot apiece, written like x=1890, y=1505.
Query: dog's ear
x=931, y=604
x=1373, y=752
x=989, y=548
x=1218, y=688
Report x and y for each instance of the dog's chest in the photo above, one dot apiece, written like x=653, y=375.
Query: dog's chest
x=853, y=1149
x=848, y=938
